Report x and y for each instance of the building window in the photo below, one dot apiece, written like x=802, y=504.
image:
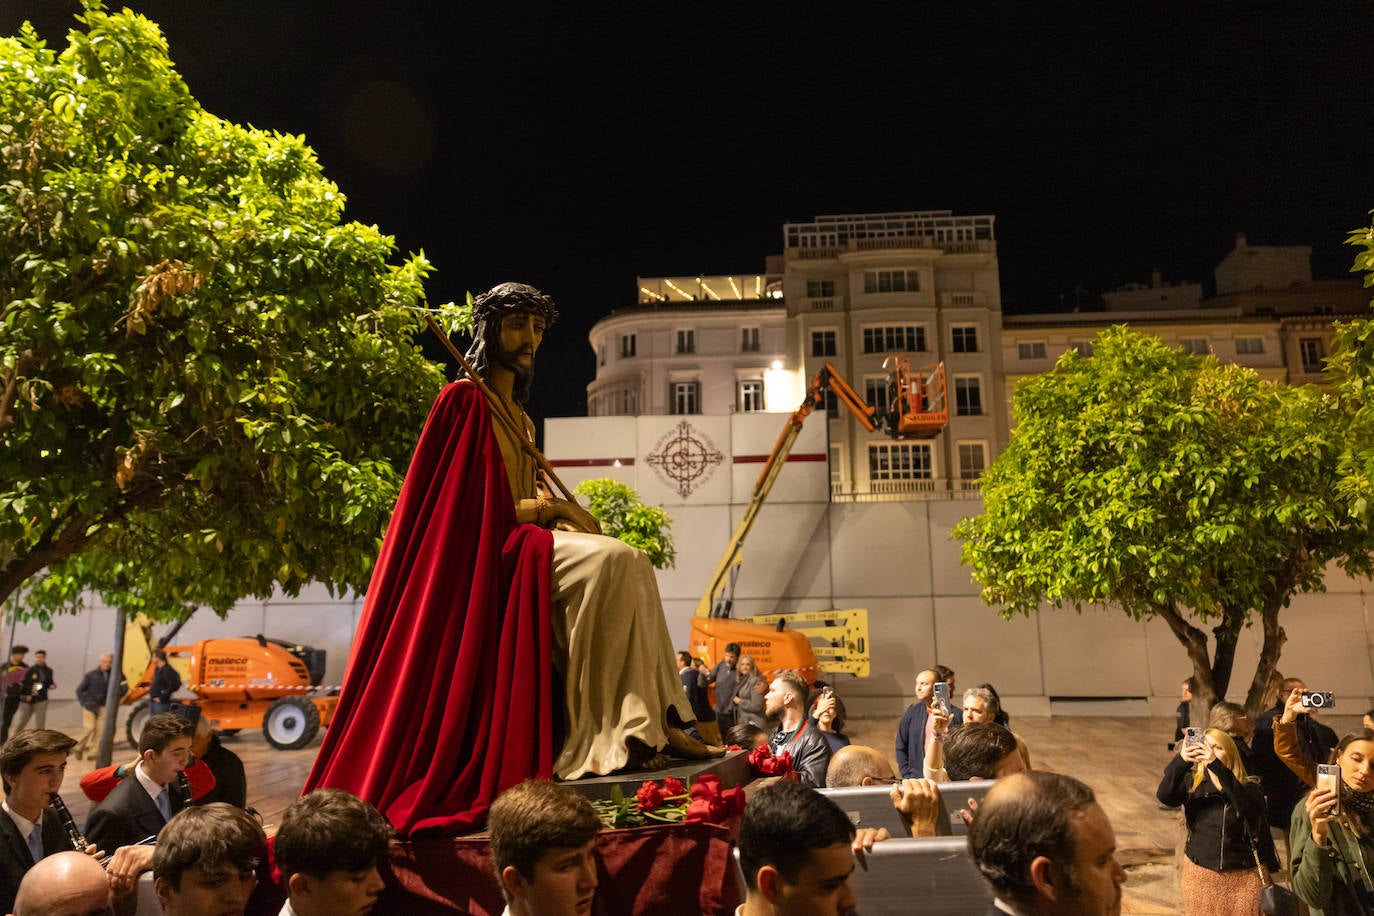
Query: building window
x=1084, y=347
x=892, y=281
x=822, y=343
x=965, y=338
x=875, y=393
x=601, y=354
x=899, y=461
x=907, y=338
x=820, y=289
x=973, y=460
x=627, y=345
x=751, y=395
x=686, y=397
x=832, y=405
x=1312, y=352
x=749, y=340
x=1197, y=346
x=1035, y=350
x=629, y=402
x=836, y=466
x=1249, y=346
x=686, y=342
x=968, y=396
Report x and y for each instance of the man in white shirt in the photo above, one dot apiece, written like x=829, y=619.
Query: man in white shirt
x=136, y=810
x=1045, y=846
x=328, y=849
x=543, y=849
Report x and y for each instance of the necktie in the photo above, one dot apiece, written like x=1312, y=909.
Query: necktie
x=36, y=841
x=164, y=805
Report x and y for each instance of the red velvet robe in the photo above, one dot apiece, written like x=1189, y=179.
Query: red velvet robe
x=448, y=697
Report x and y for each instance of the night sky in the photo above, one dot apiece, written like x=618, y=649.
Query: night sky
x=576, y=147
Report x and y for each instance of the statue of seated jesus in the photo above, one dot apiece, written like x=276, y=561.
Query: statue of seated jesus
x=503, y=636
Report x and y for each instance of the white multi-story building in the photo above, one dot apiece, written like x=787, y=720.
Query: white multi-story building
x=850, y=291
x=855, y=290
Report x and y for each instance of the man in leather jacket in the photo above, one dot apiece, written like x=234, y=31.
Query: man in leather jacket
x=796, y=733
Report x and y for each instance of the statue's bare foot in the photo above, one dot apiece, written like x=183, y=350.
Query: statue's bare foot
x=681, y=744
x=643, y=757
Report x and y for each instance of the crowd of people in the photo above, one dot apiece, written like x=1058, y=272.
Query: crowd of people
x=1284, y=780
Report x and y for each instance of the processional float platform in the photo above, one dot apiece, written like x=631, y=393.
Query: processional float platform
x=732, y=770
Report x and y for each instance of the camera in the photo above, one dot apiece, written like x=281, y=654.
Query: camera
x=1316, y=699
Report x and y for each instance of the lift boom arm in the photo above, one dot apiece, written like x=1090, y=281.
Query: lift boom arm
x=713, y=602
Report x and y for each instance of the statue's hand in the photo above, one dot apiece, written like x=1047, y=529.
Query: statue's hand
x=572, y=517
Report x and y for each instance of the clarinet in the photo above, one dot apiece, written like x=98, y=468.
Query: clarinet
x=68, y=822
x=184, y=789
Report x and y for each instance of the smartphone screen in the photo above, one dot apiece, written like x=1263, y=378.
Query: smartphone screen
x=1329, y=777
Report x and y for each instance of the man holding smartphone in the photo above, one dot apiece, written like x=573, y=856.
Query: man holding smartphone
x=917, y=725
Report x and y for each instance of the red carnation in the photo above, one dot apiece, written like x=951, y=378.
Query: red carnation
x=649, y=796
x=673, y=787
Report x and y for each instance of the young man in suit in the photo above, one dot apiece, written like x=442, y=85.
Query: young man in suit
x=139, y=806
x=32, y=764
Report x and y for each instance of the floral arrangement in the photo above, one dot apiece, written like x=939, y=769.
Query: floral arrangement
x=763, y=762
x=671, y=803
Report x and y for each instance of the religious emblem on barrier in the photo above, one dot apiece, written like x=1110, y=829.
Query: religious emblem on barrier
x=684, y=458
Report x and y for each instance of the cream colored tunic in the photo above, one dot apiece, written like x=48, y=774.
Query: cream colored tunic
x=610, y=639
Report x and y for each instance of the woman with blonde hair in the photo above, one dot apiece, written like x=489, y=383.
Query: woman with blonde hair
x=1224, y=809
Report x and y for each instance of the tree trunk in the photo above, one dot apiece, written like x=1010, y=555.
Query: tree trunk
x=1227, y=634
x=1195, y=642
x=1274, y=638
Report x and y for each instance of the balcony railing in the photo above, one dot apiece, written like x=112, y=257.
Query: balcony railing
x=894, y=491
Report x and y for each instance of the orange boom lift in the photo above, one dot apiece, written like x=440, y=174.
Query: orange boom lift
x=814, y=642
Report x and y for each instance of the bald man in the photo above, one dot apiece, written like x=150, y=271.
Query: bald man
x=916, y=800
x=858, y=765
x=64, y=884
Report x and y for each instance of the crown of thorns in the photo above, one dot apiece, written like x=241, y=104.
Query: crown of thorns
x=509, y=298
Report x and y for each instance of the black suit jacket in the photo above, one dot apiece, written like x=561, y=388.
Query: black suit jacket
x=15, y=858
x=126, y=816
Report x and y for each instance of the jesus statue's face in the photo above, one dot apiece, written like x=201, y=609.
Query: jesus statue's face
x=521, y=334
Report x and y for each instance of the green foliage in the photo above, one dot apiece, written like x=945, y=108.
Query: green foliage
x=209, y=382
x=1165, y=484
x=1351, y=370
x=621, y=514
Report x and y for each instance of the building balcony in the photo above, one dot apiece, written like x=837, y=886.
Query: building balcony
x=895, y=491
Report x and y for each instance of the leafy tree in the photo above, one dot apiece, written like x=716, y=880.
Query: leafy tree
x=208, y=382
x=617, y=507
x=1351, y=370
x=1171, y=486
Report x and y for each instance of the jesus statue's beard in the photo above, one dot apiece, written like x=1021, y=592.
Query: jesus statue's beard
x=524, y=375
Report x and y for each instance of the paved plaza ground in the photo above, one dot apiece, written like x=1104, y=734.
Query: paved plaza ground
x=1121, y=758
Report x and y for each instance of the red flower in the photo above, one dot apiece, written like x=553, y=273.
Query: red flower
x=649, y=796
x=711, y=803
x=673, y=787
x=763, y=762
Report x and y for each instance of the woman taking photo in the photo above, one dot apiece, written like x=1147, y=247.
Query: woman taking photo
x=1333, y=835
x=1224, y=807
x=749, y=692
